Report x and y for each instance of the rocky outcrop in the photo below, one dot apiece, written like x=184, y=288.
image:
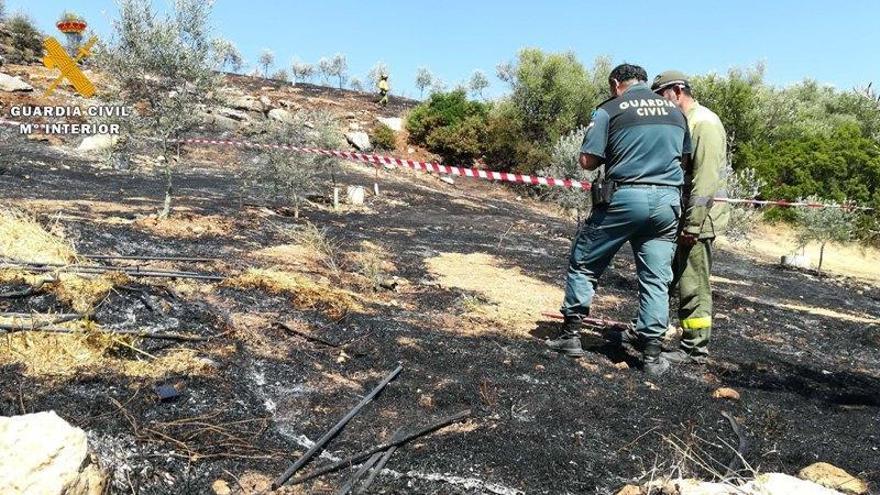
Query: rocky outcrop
x=43, y=454
x=281, y=115
x=249, y=103
x=12, y=84
x=831, y=476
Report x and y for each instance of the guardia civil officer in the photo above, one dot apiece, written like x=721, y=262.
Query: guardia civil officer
x=642, y=139
x=703, y=219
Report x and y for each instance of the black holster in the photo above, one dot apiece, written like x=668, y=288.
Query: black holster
x=601, y=192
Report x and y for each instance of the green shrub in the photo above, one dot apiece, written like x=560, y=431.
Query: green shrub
x=384, y=138
x=552, y=94
x=450, y=125
x=27, y=43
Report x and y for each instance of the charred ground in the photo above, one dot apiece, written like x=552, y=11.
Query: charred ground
x=809, y=378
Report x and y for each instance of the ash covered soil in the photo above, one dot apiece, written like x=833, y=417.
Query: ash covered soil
x=802, y=351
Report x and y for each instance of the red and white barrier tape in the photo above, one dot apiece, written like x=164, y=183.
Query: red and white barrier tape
x=463, y=172
x=400, y=162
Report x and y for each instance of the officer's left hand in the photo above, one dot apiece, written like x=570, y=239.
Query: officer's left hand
x=686, y=239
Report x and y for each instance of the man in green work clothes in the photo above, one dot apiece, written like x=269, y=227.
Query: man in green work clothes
x=703, y=218
x=641, y=138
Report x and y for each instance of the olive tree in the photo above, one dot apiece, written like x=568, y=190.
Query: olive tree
x=281, y=175
x=161, y=65
x=478, y=83
x=339, y=68
x=266, y=60
x=835, y=223
x=325, y=68
x=564, y=165
x=355, y=84
x=301, y=71
x=744, y=217
x=424, y=79
x=227, y=55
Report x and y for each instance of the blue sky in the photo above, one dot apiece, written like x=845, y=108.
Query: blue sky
x=834, y=42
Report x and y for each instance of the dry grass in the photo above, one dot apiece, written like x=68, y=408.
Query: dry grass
x=515, y=300
x=22, y=238
x=81, y=292
x=61, y=355
x=770, y=242
x=323, y=248
x=372, y=262
x=186, y=226
x=307, y=294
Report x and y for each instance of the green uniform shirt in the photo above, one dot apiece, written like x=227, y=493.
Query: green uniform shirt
x=705, y=180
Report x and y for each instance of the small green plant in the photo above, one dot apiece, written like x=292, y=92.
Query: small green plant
x=384, y=138
x=824, y=225
x=290, y=177
x=564, y=165
x=744, y=217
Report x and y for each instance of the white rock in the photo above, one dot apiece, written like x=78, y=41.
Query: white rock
x=11, y=83
x=796, y=261
x=98, y=142
x=359, y=140
x=355, y=195
x=696, y=487
x=281, y=115
x=248, y=103
x=266, y=101
x=783, y=484
x=395, y=123
x=43, y=454
x=447, y=179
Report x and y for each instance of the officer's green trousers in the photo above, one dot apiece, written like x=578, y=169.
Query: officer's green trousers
x=646, y=216
x=691, y=269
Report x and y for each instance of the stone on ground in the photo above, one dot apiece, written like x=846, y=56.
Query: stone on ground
x=43, y=454
x=783, y=484
x=725, y=393
x=355, y=195
x=831, y=476
x=281, y=115
x=248, y=103
x=395, y=123
x=98, y=142
x=13, y=84
x=359, y=140
x=630, y=490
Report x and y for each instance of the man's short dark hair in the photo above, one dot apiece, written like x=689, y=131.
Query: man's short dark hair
x=625, y=72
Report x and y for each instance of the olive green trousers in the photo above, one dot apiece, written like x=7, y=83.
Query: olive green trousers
x=691, y=268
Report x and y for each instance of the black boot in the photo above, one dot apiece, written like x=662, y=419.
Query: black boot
x=627, y=336
x=569, y=343
x=681, y=356
x=655, y=363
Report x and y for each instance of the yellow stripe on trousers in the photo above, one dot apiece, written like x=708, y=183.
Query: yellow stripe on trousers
x=697, y=323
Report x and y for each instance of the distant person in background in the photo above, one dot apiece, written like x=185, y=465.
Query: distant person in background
x=383, y=90
x=702, y=219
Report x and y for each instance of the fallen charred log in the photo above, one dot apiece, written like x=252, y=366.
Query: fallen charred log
x=360, y=456
x=319, y=445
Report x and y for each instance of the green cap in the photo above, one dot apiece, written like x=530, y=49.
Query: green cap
x=669, y=78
